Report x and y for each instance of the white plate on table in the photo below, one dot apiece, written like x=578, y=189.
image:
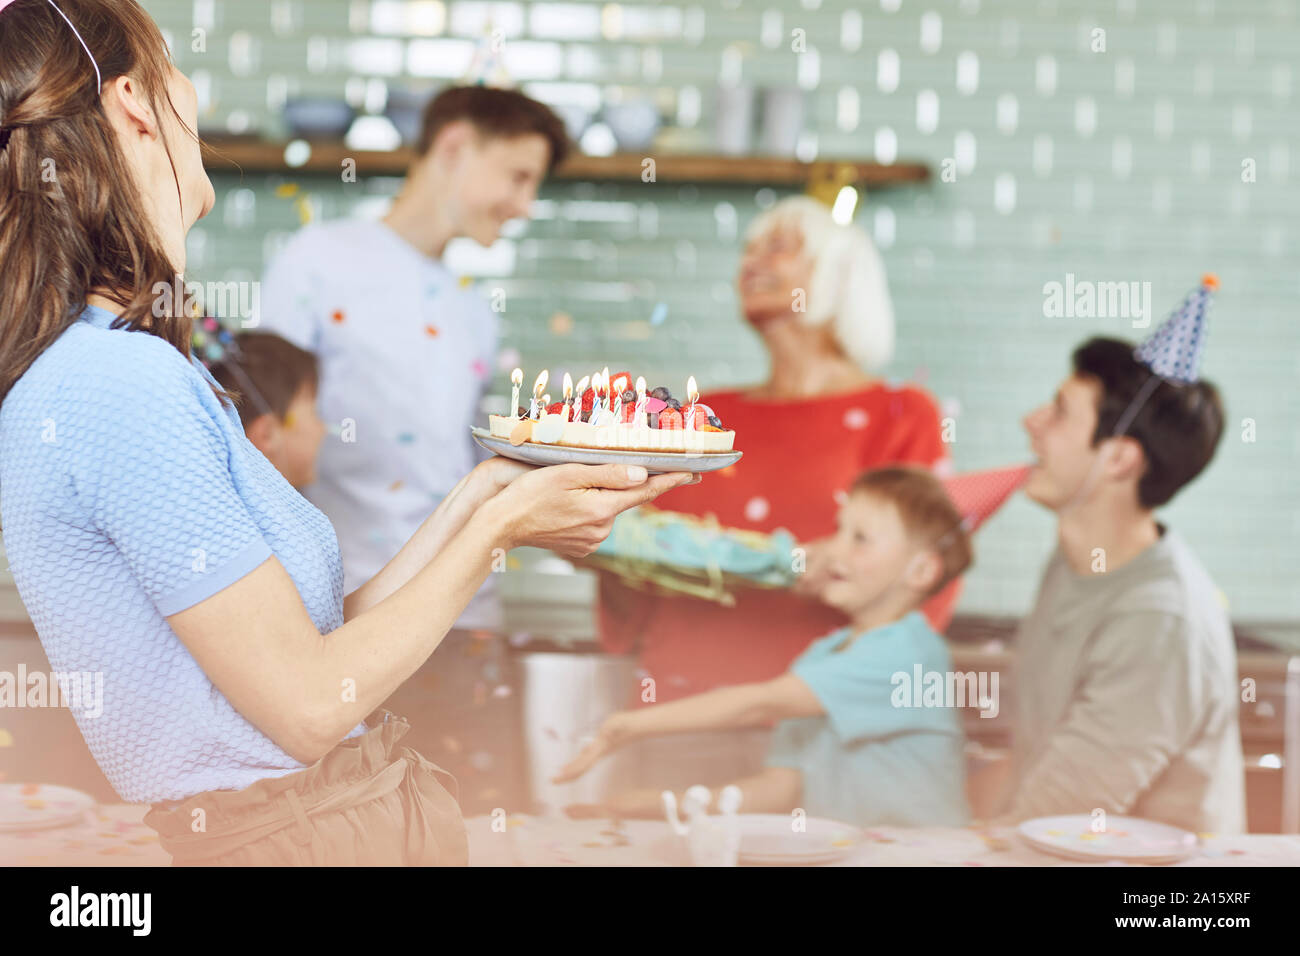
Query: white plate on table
x=39, y=806
x=1127, y=839
x=769, y=839
x=536, y=453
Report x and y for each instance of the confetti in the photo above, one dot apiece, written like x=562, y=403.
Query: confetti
x=856, y=419
x=478, y=368
x=431, y=330
x=6, y=738
x=405, y=438
x=659, y=314
x=286, y=190
x=508, y=359
x=337, y=315
x=466, y=281
x=29, y=789
x=396, y=485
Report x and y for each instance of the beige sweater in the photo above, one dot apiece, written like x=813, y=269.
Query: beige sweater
x=1128, y=696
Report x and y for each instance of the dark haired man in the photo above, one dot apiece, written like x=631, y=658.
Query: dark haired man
x=1127, y=684
x=406, y=351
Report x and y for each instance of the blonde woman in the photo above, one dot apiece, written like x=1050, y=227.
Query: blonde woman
x=815, y=293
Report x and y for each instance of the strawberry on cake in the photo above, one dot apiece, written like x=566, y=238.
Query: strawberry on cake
x=608, y=412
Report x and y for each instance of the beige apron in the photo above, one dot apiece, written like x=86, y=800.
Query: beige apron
x=365, y=803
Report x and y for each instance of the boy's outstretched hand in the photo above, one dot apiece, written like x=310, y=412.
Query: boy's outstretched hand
x=639, y=804
x=613, y=732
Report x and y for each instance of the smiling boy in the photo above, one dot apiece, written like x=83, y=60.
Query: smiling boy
x=845, y=747
x=1127, y=686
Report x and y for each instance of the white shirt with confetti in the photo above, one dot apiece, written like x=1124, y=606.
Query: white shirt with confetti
x=406, y=351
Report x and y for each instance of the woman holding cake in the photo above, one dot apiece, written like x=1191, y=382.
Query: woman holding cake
x=151, y=542
x=815, y=293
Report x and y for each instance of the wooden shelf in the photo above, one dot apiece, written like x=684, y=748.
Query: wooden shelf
x=326, y=158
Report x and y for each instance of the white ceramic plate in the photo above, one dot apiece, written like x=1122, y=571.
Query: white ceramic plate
x=768, y=839
x=535, y=453
x=36, y=806
x=1128, y=839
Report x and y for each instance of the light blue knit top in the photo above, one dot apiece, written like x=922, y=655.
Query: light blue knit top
x=128, y=493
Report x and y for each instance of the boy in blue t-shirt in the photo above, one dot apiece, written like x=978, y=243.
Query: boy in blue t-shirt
x=853, y=744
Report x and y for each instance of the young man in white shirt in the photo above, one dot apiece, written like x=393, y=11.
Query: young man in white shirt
x=406, y=349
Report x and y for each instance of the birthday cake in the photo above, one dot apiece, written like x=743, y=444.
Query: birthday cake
x=606, y=411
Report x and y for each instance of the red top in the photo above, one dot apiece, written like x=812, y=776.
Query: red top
x=798, y=454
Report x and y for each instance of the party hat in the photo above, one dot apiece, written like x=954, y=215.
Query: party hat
x=979, y=494
x=1173, y=351
x=211, y=342
x=487, y=67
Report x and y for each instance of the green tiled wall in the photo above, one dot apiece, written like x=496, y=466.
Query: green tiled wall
x=1122, y=165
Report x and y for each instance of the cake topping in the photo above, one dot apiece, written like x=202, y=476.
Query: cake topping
x=603, y=398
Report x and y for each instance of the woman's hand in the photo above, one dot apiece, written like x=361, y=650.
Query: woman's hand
x=615, y=731
x=496, y=472
x=813, y=580
x=570, y=509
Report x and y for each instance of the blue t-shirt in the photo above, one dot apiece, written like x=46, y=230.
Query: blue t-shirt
x=128, y=492
x=868, y=761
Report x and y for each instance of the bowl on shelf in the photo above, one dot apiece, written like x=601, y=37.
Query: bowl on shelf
x=405, y=110
x=634, y=123
x=318, y=117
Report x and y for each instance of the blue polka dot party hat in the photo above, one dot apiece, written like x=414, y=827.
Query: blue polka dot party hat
x=1173, y=351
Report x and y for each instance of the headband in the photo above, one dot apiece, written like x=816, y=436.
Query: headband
x=99, y=80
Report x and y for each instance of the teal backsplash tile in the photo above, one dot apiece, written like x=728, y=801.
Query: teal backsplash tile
x=1122, y=165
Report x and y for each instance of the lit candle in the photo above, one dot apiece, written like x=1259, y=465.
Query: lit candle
x=693, y=396
x=604, y=379
x=568, y=396
x=539, y=387
x=639, y=412
x=598, y=383
x=516, y=379
x=580, y=391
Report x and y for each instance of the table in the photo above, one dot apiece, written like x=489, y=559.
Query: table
x=113, y=835
x=109, y=835
x=538, y=841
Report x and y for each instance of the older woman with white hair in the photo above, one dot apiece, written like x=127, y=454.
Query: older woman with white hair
x=815, y=293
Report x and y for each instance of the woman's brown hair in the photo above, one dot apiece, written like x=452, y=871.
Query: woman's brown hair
x=72, y=221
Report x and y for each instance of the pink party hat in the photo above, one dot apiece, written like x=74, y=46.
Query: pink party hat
x=979, y=494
